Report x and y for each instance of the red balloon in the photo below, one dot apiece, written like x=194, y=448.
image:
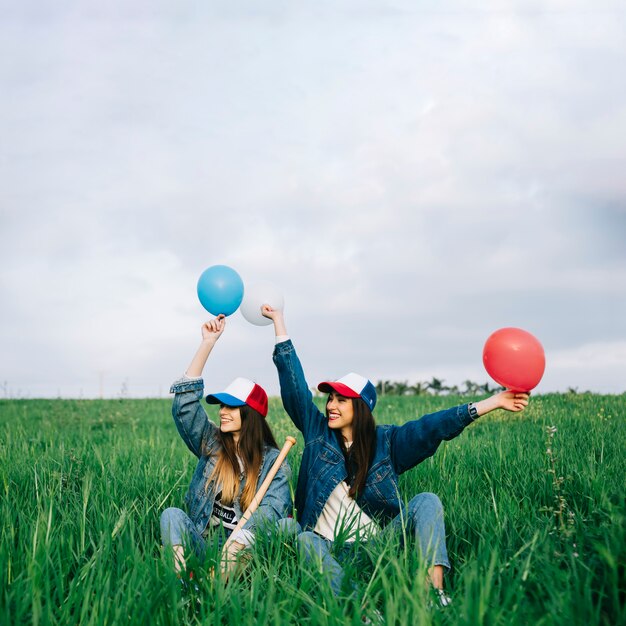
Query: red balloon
x=514, y=359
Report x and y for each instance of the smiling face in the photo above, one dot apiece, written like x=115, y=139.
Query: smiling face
x=230, y=419
x=340, y=413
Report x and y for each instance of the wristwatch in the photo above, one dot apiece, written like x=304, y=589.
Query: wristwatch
x=473, y=411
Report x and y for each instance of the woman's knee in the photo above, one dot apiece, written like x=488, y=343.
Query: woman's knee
x=172, y=524
x=172, y=515
x=425, y=505
x=289, y=527
x=307, y=538
x=311, y=544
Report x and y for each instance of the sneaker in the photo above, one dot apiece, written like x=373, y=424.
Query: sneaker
x=441, y=599
x=375, y=617
x=375, y=620
x=189, y=586
x=190, y=591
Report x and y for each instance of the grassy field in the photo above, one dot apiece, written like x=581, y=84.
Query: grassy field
x=534, y=505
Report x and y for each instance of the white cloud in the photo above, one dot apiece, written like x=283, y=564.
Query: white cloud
x=602, y=362
x=413, y=177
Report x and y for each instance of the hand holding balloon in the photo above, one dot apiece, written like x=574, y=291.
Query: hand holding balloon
x=212, y=330
x=276, y=316
x=270, y=313
x=512, y=400
x=255, y=297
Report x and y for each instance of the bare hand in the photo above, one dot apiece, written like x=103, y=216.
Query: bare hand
x=513, y=400
x=276, y=315
x=270, y=313
x=212, y=329
x=230, y=558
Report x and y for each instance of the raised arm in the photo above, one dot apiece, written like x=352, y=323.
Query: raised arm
x=418, y=439
x=295, y=393
x=211, y=332
x=190, y=417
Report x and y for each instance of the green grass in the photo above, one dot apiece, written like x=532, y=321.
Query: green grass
x=533, y=537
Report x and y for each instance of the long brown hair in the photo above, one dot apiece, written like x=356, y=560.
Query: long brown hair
x=254, y=435
x=360, y=454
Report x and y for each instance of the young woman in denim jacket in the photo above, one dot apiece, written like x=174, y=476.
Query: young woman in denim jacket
x=348, y=479
x=232, y=461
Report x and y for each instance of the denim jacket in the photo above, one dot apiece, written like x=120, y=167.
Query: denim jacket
x=200, y=435
x=398, y=448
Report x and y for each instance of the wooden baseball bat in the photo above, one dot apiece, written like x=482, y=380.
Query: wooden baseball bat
x=258, y=496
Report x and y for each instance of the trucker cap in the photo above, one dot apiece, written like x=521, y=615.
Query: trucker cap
x=241, y=391
x=352, y=386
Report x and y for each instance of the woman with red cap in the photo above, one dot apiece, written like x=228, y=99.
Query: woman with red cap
x=233, y=459
x=348, y=479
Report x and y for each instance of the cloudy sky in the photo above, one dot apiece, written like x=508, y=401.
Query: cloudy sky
x=412, y=175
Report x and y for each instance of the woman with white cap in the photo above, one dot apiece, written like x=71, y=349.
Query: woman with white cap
x=233, y=459
x=348, y=480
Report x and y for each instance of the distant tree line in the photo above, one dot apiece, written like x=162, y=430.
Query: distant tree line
x=436, y=387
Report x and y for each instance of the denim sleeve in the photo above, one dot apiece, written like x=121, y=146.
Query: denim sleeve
x=418, y=439
x=276, y=503
x=189, y=416
x=295, y=393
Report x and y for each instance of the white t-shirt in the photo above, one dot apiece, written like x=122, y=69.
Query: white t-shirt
x=343, y=517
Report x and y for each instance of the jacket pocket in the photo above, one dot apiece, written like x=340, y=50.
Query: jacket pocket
x=330, y=456
x=325, y=463
x=381, y=486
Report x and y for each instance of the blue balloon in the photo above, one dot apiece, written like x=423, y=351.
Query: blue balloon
x=220, y=290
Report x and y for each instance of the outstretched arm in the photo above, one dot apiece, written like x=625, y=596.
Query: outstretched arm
x=418, y=439
x=190, y=417
x=514, y=401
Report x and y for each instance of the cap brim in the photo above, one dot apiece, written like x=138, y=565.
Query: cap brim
x=340, y=388
x=224, y=398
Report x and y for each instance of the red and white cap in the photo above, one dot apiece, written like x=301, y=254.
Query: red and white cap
x=352, y=386
x=241, y=391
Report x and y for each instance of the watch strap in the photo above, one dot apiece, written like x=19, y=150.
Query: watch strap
x=473, y=411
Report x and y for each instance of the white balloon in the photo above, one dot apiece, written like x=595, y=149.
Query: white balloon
x=255, y=296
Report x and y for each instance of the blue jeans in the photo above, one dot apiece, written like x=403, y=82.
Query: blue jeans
x=177, y=529
x=424, y=518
